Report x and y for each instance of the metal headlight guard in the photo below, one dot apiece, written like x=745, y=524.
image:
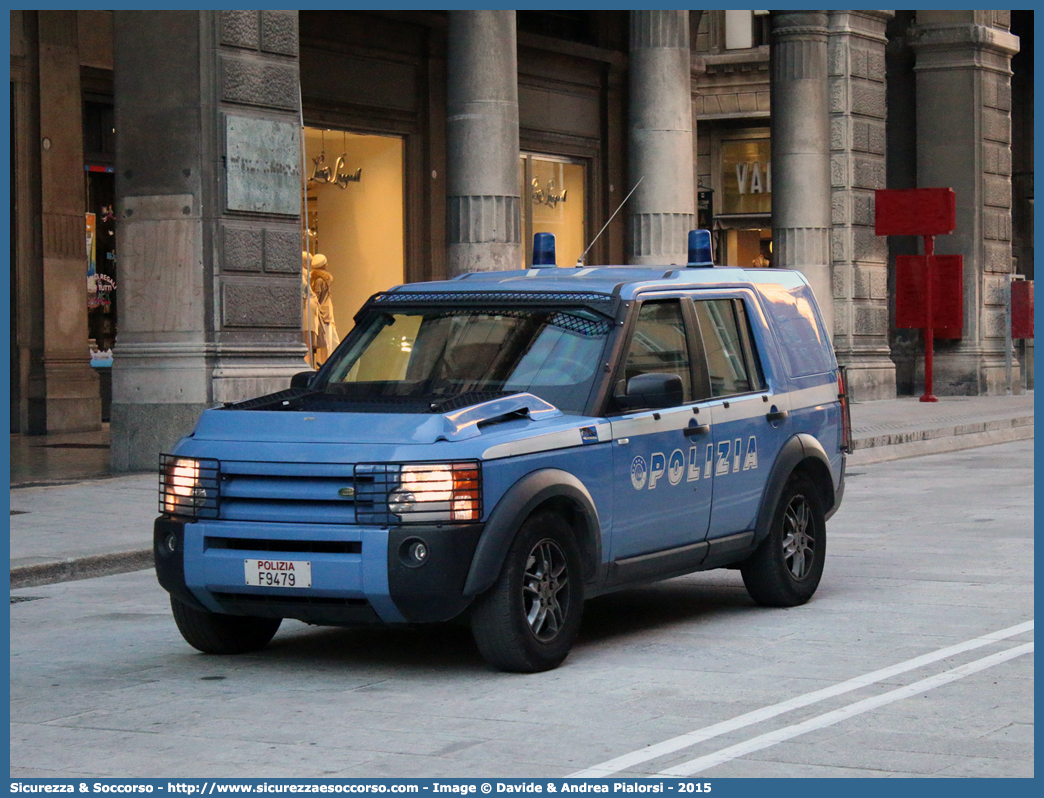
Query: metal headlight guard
x=189, y=486
x=418, y=493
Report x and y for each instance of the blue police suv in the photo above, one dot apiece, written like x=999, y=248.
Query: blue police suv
x=500, y=447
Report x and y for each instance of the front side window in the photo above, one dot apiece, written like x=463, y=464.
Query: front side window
x=434, y=355
x=659, y=344
x=730, y=361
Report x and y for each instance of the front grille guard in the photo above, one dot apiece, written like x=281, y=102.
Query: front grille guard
x=374, y=482
x=199, y=500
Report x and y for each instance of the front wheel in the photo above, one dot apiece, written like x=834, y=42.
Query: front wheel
x=787, y=566
x=215, y=633
x=528, y=620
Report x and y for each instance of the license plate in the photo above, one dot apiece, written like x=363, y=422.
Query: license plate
x=278, y=573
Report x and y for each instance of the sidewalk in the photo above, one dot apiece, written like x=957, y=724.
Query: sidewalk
x=71, y=518
x=906, y=427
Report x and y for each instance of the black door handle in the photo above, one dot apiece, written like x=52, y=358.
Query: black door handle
x=693, y=430
x=776, y=415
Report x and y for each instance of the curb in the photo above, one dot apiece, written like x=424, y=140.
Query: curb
x=897, y=438
x=74, y=568
x=896, y=446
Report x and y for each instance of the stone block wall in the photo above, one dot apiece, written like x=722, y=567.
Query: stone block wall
x=859, y=259
x=963, y=71
x=209, y=196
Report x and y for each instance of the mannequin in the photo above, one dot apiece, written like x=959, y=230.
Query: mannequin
x=328, y=338
x=309, y=309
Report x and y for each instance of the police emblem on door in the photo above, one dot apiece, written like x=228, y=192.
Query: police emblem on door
x=639, y=472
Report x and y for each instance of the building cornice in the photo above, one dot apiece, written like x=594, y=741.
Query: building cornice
x=963, y=46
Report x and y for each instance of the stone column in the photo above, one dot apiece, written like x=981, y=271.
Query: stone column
x=964, y=141
x=208, y=185
x=483, y=230
x=801, y=150
x=68, y=390
x=901, y=166
x=661, y=212
x=856, y=82
x=27, y=414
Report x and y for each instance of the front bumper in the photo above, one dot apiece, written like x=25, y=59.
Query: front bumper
x=359, y=574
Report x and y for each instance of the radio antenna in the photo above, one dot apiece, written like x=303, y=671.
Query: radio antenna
x=580, y=260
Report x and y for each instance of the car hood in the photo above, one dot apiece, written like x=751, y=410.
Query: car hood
x=295, y=426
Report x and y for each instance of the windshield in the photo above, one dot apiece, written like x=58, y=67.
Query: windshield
x=435, y=354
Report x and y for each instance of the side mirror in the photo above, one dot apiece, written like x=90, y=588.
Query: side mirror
x=303, y=379
x=653, y=391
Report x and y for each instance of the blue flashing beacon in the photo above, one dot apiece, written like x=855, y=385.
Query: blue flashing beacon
x=700, y=249
x=543, y=250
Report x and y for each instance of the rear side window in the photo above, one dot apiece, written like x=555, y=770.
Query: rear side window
x=806, y=349
x=731, y=364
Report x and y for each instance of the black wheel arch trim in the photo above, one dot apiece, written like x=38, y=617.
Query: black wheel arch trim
x=839, y=491
x=795, y=453
x=515, y=506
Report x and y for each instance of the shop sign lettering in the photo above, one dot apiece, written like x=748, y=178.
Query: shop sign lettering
x=753, y=178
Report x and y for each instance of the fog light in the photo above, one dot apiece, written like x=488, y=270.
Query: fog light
x=413, y=552
x=419, y=552
x=172, y=542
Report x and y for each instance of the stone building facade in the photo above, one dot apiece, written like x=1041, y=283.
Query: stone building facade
x=460, y=135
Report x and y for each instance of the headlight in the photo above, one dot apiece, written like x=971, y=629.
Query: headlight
x=418, y=492
x=188, y=486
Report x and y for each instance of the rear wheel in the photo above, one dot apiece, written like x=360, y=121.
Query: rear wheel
x=529, y=619
x=787, y=566
x=215, y=633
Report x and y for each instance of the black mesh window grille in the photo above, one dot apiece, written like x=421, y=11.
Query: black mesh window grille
x=497, y=298
x=566, y=321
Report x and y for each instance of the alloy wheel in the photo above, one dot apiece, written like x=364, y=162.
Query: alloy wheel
x=798, y=538
x=545, y=590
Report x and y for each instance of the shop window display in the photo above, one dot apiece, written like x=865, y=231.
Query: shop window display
x=553, y=202
x=353, y=204
x=101, y=276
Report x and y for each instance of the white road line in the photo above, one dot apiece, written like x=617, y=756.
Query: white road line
x=838, y=715
x=699, y=735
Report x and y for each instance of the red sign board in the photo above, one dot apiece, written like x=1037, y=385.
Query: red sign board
x=947, y=294
x=1022, y=309
x=915, y=211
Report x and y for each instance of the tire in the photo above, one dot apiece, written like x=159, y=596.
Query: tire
x=215, y=633
x=786, y=568
x=529, y=619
